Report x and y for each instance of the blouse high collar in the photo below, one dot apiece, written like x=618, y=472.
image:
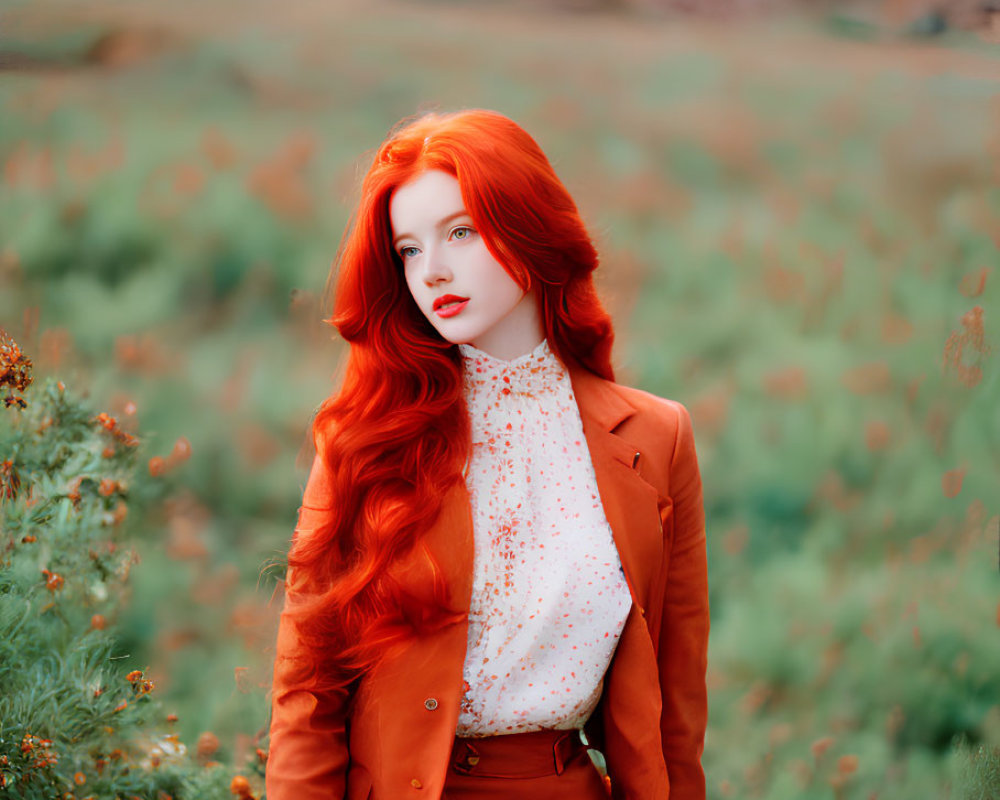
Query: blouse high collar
x=531, y=374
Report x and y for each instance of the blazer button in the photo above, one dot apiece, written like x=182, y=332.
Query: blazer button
x=416, y=784
x=430, y=703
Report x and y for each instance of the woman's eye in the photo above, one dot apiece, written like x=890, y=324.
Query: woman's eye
x=403, y=251
x=466, y=231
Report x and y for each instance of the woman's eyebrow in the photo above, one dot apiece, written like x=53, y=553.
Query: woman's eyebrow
x=441, y=224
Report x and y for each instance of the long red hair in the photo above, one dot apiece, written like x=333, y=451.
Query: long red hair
x=395, y=437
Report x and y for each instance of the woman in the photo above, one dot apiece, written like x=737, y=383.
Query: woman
x=500, y=553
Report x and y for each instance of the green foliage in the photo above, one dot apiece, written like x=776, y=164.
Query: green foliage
x=976, y=769
x=75, y=714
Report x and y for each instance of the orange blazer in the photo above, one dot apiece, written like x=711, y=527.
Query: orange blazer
x=390, y=738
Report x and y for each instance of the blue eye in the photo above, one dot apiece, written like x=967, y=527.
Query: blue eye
x=402, y=251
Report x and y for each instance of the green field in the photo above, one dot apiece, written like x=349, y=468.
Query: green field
x=800, y=238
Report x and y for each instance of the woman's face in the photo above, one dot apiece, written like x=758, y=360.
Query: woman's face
x=465, y=293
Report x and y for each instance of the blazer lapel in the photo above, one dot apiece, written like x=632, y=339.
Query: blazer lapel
x=631, y=505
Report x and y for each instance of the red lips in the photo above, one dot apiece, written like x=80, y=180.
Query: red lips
x=447, y=298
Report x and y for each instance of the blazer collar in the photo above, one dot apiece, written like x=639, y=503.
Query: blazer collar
x=597, y=398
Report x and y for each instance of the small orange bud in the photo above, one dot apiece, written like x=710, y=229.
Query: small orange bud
x=181, y=451
x=97, y=622
x=172, y=718
x=134, y=676
x=208, y=744
x=119, y=514
x=108, y=452
x=122, y=705
x=951, y=482
x=107, y=487
x=847, y=764
x=820, y=746
x=239, y=786
x=79, y=779
x=53, y=580
x=157, y=466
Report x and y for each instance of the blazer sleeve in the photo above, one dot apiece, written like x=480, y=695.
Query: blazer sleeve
x=683, y=644
x=308, y=752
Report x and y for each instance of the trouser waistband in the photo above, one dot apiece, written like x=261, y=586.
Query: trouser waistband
x=517, y=755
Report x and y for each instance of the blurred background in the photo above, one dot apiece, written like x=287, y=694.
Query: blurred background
x=798, y=209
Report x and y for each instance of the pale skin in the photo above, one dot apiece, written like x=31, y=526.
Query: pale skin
x=443, y=254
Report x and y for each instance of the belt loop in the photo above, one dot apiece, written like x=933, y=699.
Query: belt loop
x=469, y=761
x=558, y=755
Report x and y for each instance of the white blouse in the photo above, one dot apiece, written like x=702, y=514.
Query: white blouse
x=549, y=598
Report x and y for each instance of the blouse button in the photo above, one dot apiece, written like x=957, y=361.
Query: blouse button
x=416, y=784
x=430, y=703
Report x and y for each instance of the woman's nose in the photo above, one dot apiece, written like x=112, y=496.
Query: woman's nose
x=435, y=270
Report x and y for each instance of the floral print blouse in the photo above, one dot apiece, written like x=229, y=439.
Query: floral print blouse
x=549, y=598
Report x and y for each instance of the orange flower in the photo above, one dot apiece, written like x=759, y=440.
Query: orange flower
x=53, y=580
x=119, y=514
x=134, y=676
x=876, y=435
x=789, y=383
x=97, y=622
x=239, y=786
x=10, y=481
x=951, y=482
x=820, y=746
x=106, y=421
x=973, y=283
x=847, y=764
x=871, y=378
x=157, y=466
x=15, y=371
x=79, y=779
x=181, y=451
x=208, y=744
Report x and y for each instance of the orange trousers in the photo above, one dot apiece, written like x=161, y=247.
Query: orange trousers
x=523, y=766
